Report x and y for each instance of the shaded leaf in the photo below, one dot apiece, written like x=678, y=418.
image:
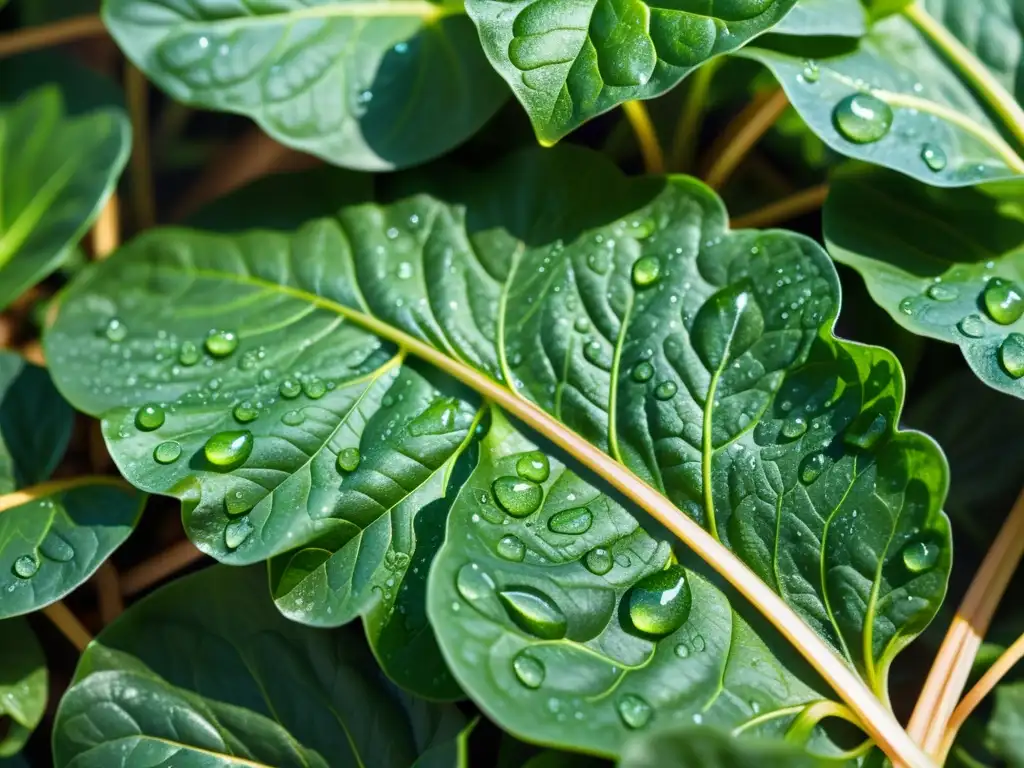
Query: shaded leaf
x=205, y=671
x=842, y=18
x=23, y=685
x=939, y=132
x=929, y=257
x=1005, y=737
x=55, y=175
x=365, y=85
x=693, y=747
x=567, y=63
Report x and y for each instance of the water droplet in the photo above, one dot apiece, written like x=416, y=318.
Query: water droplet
x=437, y=419
x=698, y=643
x=57, y=548
x=511, y=548
x=642, y=371
x=862, y=118
x=221, y=343
x=25, y=567
x=811, y=468
x=528, y=669
x=314, y=388
x=404, y=271
x=920, y=556
x=571, y=521
x=228, y=449
x=244, y=412
x=634, y=711
x=660, y=603
x=907, y=305
x=167, y=453
x=592, y=352
x=516, y=496
x=115, y=330
x=598, y=561
x=682, y=651
x=646, y=271
x=934, y=157
x=236, y=532
x=1011, y=355
x=1004, y=300
x=189, y=353
x=794, y=428
x=236, y=504
x=811, y=73
x=666, y=390
x=866, y=436
x=533, y=466
x=534, y=612
x=348, y=459
x=942, y=292
x=293, y=418
x=290, y=389
x=149, y=417
x=473, y=583
x=582, y=325
x=972, y=326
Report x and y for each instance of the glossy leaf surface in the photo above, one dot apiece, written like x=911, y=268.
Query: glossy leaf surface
x=700, y=358
x=56, y=173
x=915, y=113
x=841, y=18
x=363, y=84
x=1006, y=726
x=23, y=684
x=933, y=258
x=565, y=626
x=206, y=672
x=569, y=62
x=694, y=747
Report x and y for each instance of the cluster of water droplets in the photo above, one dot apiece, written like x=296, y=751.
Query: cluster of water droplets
x=54, y=547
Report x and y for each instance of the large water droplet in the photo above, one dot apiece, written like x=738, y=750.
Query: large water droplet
x=229, y=449
x=236, y=532
x=314, y=388
x=642, y=371
x=594, y=353
x=56, y=547
x=533, y=466
x=666, y=390
x=348, y=459
x=794, y=428
x=934, y=157
x=529, y=669
x=244, y=412
x=189, y=353
x=972, y=326
x=511, y=548
x=581, y=325
x=920, y=556
x=149, y=417
x=811, y=468
x=293, y=418
x=236, y=504
x=660, y=603
x=646, y=271
x=221, y=343
x=727, y=325
x=1004, y=300
x=290, y=389
x=866, y=433
x=473, y=583
x=516, y=496
x=811, y=73
x=862, y=118
x=115, y=330
x=598, y=561
x=534, y=612
x=571, y=521
x=942, y=292
x=437, y=419
x=167, y=452
x=25, y=567
x=906, y=306
x=634, y=711
x=1011, y=355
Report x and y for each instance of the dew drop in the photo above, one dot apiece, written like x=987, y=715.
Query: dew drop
x=115, y=330
x=534, y=612
x=811, y=73
x=314, y=388
x=533, y=466
x=865, y=437
x=221, y=343
x=598, y=561
x=348, y=459
x=682, y=651
x=516, y=496
x=698, y=643
x=811, y=468
x=942, y=292
x=25, y=567
x=473, y=583
x=236, y=532
x=55, y=547
x=634, y=711
x=571, y=521
x=972, y=326
x=592, y=351
x=244, y=412
x=642, y=371
x=189, y=354
x=293, y=418
x=167, y=452
x=290, y=389
x=934, y=157
x=646, y=271
x=149, y=417
x=794, y=428
x=666, y=390
x=907, y=306
x=920, y=556
x=1011, y=355
x=529, y=669
x=229, y=449
x=511, y=548
x=1003, y=300
x=236, y=504
x=582, y=325
x=862, y=118
x=660, y=603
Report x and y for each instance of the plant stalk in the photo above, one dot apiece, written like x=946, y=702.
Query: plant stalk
x=50, y=487
x=68, y=624
x=136, y=91
x=106, y=232
x=175, y=558
x=47, y=35
x=646, y=136
x=797, y=204
x=743, y=133
x=687, y=136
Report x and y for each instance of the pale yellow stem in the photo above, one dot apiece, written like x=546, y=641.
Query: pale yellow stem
x=49, y=488
x=797, y=204
x=45, y=36
x=106, y=232
x=68, y=624
x=159, y=567
x=749, y=126
x=646, y=136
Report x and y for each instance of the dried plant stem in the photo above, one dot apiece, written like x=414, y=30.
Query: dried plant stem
x=797, y=204
x=106, y=232
x=742, y=134
x=68, y=624
x=646, y=136
x=136, y=91
x=952, y=664
x=159, y=567
x=44, y=36
x=108, y=589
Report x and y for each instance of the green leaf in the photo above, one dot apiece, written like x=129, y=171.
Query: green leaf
x=205, y=672
x=841, y=18
x=23, y=684
x=552, y=621
x=369, y=85
x=55, y=175
x=567, y=63
x=1006, y=725
x=693, y=747
x=930, y=256
x=700, y=358
x=940, y=133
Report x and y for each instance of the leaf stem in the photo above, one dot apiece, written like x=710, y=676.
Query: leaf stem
x=973, y=70
x=136, y=92
x=804, y=724
x=68, y=624
x=157, y=568
x=106, y=232
x=646, y=136
x=952, y=665
x=744, y=131
x=687, y=135
x=49, y=488
x=790, y=207
x=108, y=592
x=44, y=36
